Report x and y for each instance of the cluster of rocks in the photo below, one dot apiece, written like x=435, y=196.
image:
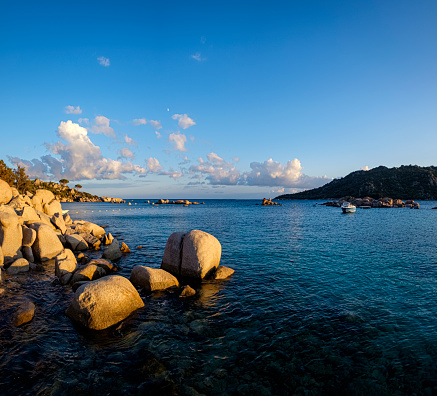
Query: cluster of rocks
x=63, y=193
x=178, y=202
x=35, y=232
x=269, y=201
x=368, y=202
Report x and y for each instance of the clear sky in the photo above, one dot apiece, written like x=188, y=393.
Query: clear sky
x=216, y=99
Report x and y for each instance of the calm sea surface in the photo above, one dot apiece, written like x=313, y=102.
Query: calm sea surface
x=321, y=303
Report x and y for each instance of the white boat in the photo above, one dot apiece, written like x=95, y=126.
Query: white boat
x=347, y=207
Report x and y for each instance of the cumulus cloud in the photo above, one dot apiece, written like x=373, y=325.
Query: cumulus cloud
x=72, y=110
x=139, y=121
x=130, y=141
x=84, y=121
x=78, y=158
x=101, y=125
x=103, y=61
x=270, y=173
x=155, y=167
x=184, y=121
x=156, y=124
x=158, y=135
x=126, y=153
x=366, y=168
x=178, y=141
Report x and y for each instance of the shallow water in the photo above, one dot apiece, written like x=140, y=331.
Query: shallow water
x=320, y=303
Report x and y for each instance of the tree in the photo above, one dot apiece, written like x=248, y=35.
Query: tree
x=64, y=181
x=21, y=182
x=6, y=173
x=77, y=187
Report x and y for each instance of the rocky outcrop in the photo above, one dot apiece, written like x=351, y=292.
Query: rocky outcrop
x=104, y=302
x=195, y=254
x=152, y=279
x=177, y=202
x=368, y=203
x=267, y=202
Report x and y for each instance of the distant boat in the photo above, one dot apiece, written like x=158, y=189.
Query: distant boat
x=347, y=207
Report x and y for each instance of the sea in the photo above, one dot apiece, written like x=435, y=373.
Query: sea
x=321, y=303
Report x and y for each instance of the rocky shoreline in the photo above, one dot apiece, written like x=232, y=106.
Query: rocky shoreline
x=37, y=236
x=368, y=202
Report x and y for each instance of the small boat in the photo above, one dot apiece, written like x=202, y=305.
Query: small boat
x=347, y=207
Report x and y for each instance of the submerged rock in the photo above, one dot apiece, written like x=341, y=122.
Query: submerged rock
x=105, y=302
x=152, y=279
x=187, y=291
x=223, y=273
x=24, y=313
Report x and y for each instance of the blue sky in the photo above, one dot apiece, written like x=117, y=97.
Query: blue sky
x=198, y=99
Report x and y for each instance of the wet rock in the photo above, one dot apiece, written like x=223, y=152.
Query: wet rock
x=201, y=254
x=18, y=266
x=65, y=265
x=47, y=245
x=113, y=252
x=172, y=258
x=124, y=248
x=11, y=235
x=107, y=239
x=5, y=192
x=76, y=285
x=223, y=273
x=102, y=263
x=187, y=291
x=88, y=273
x=24, y=313
x=105, y=302
x=152, y=279
x=76, y=242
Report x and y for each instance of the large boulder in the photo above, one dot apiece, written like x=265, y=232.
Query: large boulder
x=47, y=244
x=105, y=264
x=52, y=208
x=86, y=226
x=11, y=234
x=152, y=279
x=65, y=265
x=105, y=302
x=91, y=240
x=172, y=258
x=5, y=192
x=113, y=252
x=41, y=198
x=28, y=214
x=18, y=266
x=76, y=242
x=29, y=236
x=201, y=254
x=58, y=221
x=89, y=272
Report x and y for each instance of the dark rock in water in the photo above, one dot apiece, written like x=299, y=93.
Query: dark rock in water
x=152, y=279
x=113, y=252
x=76, y=285
x=187, y=291
x=124, y=248
x=223, y=273
x=18, y=266
x=25, y=313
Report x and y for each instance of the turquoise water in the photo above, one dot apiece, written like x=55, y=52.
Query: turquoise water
x=320, y=303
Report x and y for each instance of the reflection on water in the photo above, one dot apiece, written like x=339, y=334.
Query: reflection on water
x=320, y=304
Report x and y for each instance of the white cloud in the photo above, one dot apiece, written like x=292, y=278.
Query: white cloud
x=101, y=125
x=217, y=171
x=184, y=121
x=197, y=57
x=126, y=153
x=366, y=168
x=85, y=121
x=139, y=121
x=79, y=158
x=130, y=141
x=158, y=135
x=103, y=61
x=156, y=124
x=178, y=141
x=72, y=110
x=236, y=159
x=153, y=165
